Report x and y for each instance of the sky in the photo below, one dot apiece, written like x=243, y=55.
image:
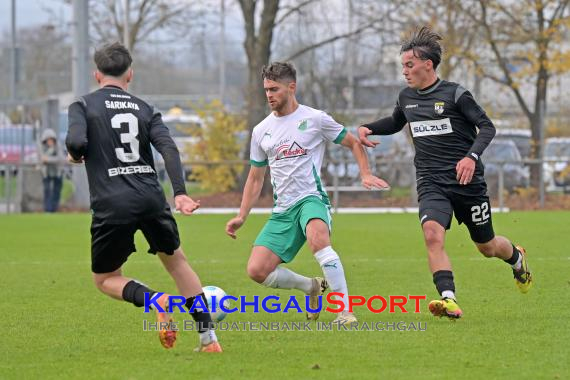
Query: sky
x=32, y=12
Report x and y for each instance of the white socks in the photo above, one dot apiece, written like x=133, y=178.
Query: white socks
x=448, y=294
x=283, y=278
x=334, y=273
x=208, y=337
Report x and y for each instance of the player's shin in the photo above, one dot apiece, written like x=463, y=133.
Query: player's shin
x=443, y=280
x=203, y=319
x=334, y=272
x=515, y=261
x=283, y=278
x=134, y=292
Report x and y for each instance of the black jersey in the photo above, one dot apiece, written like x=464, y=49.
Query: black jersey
x=113, y=130
x=443, y=120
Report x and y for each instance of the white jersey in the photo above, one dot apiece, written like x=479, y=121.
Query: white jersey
x=294, y=146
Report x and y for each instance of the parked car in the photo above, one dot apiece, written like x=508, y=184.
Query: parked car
x=557, y=170
x=521, y=138
x=393, y=159
x=18, y=144
x=505, y=154
x=184, y=130
x=340, y=163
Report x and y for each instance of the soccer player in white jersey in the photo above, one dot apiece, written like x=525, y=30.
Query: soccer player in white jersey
x=291, y=140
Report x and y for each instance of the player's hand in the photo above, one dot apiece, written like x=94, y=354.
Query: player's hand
x=363, y=134
x=465, y=169
x=372, y=182
x=233, y=225
x=73, y=160
x=185, y=204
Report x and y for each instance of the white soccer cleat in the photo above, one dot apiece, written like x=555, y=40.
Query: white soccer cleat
x=345, y=317
x=320, y=285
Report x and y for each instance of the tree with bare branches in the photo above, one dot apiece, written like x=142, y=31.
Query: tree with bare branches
x=260, y=26
x=144, y=17
x=526, y=49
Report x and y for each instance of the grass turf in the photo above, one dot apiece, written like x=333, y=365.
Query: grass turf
x=57, y=325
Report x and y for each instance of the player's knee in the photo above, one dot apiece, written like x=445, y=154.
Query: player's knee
x=99, y=281
x=318, y=239
x=433, y=238
x=257, y=273
x=317, y=233
x=487, y=249
x=318, y=242
x=174, y=262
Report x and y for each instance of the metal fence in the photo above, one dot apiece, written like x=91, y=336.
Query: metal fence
x=21, y=186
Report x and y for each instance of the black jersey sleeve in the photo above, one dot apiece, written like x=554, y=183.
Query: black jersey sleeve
x=388, y=125
x=161, y=140
x=476, y=115
x=76, y=139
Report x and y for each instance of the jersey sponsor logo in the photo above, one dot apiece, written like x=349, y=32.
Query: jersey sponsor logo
x=119, y=96
x=120, y=105
x=411, y=106
x=303, y=125
x=438, y=107
x=292, y=151
x=431, y=127
x=126, y=170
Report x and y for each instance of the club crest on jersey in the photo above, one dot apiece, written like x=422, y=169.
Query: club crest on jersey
x=303, y=125
x=438, y=107
x=286, y=151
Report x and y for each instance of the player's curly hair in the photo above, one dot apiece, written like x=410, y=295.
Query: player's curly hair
x=425, y=44
x=279, y=71
x=112, y=59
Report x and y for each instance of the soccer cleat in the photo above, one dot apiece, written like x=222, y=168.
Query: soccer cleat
x=319, y=287
x=446, y=307
x=212, y=347
x=523, y=277
x=345, y=317
x=165, y=321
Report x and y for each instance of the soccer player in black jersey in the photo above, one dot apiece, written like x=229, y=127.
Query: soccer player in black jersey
x=443, y=118
x=112, y=131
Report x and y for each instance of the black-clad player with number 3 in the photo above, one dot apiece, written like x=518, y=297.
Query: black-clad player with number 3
x=112, y=131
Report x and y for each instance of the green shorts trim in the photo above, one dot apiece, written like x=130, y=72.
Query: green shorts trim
x=284, y=232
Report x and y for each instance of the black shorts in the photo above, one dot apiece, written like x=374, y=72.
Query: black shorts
x=112, y=244
x=469, y=203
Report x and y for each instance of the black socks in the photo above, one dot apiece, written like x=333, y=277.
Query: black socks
x=134, y=292
x=514, y=258
x=203, y=319
x=443, y=280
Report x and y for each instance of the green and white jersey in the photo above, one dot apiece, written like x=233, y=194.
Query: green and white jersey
x=293, y=146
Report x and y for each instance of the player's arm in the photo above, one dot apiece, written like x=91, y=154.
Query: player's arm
x=385, y=126
x=368, y=180
x=465, y=102
x=76, y=139
x=251, y=192
x=161, y=140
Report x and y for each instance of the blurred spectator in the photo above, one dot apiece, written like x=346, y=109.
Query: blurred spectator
x=52, y=170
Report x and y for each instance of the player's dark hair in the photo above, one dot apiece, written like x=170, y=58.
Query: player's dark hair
x=112, y=59
x=279, y=72
x=424, y=42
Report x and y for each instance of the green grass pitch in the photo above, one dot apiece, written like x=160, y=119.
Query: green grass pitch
x=57, y=325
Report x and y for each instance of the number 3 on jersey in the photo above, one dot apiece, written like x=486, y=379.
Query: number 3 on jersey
x=129, y=137
x=480, y=213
